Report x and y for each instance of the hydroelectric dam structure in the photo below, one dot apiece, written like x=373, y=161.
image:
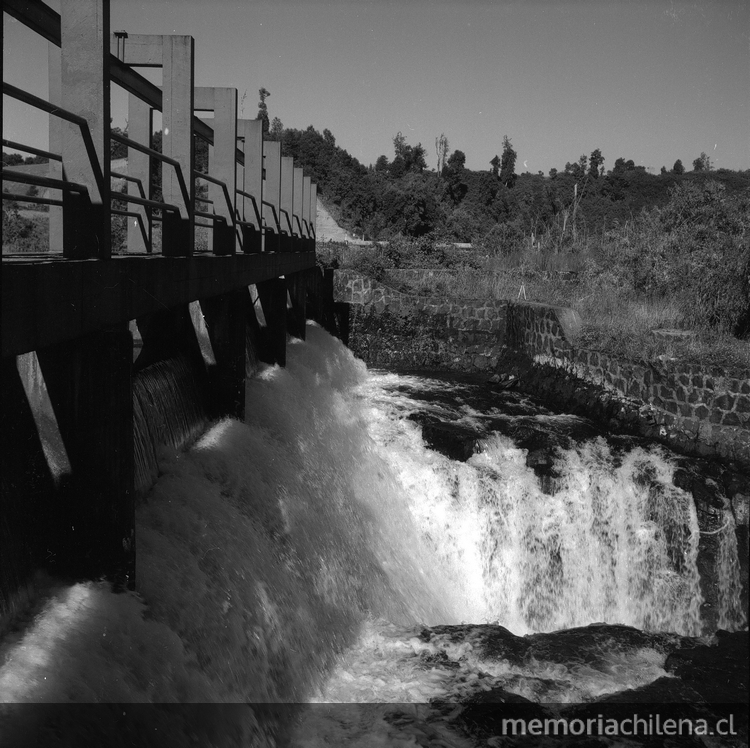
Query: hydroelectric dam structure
x=70, y=312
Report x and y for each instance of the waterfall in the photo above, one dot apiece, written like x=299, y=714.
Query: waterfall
x=271, y=548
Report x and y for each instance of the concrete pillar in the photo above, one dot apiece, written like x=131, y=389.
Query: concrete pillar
x=273, y=296
x=26, y=501
x=296, y=317
x=226, y=319
x=140, y=126
x=287, y=202
x=271, y=194
x=250, y=132
x=90, y=388
x=222, y=161
x=299, y=181
x=55, y=146
x=177, y=139
x=84, y=71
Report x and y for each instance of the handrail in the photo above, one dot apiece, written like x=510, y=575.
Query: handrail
x=255, y=205
x=214, y=180
x=145, y=202
x=128, y=178
x=88, y=141
x=161, y=157
x=30, y=199
x=275, y=214
x=41, y=19
x=288, y=220
x=9, y=175
x=29, y=149
x=299, y=224
x=141, y=225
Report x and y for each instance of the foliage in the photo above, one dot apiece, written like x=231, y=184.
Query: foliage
x=16, y=159
x=508, y=163
x=22, y=234
x=263, y=93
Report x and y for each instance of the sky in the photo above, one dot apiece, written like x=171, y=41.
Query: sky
x=648, y=80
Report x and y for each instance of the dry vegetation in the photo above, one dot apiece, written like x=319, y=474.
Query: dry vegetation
x=684, y=267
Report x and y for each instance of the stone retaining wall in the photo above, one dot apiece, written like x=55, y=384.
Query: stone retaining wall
x=699, y=410
x=392, y=329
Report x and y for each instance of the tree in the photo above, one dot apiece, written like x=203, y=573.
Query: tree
x=678, y=168
x=382, y=163
x=663, y=170
x=508, y=163
x=702, y=163
x=441, y=148
x=495, y=164
x=595, y=163
x=552, y=173
x=456, y=161
x=328, y=137
x=412, y=157
x=264, y=93
x=277, y=130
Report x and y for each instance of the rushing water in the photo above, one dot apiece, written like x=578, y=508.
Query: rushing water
x=318, y=552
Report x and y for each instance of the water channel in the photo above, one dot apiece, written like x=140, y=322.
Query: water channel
x=412, y=545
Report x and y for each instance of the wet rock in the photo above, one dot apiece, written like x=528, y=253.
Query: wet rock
x=593, y=645
x=719, y=673
x=452, y=440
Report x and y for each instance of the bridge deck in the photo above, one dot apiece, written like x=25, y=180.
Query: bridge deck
x=48, y=300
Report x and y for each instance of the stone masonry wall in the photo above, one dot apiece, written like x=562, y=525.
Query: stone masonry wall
x=393, y=329
x=704, y=411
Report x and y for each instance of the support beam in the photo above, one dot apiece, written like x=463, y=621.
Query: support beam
x=140, y=127
x=90, y=388
x=273, y=297
x=26, y=501
x=271, y=194
x=226, y=319
x=84, y=90
x=250, y=135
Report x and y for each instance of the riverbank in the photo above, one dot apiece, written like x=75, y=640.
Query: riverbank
x=696, y=409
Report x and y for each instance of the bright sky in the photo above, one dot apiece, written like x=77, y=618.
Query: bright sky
x=651, y=80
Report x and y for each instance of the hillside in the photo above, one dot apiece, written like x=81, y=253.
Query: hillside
x=401, y=197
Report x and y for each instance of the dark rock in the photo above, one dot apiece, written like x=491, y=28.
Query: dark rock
x=719, y=673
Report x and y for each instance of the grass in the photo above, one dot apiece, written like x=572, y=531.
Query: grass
x=616, y=320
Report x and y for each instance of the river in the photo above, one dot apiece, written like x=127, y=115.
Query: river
x=412, y=545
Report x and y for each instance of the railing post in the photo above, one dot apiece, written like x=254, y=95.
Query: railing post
x=271, y=194
x=84, y=90
x=222, y=163
x=177, y=138
x=287, y=202
x=140, y=125
x=250, y=132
